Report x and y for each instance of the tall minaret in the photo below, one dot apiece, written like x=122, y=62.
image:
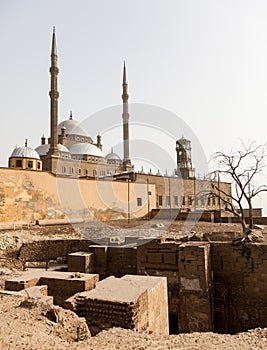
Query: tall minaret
x=54, y=95
x=125, y=117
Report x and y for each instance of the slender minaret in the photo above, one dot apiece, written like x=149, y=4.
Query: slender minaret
x=125, y=117
x=54, y=95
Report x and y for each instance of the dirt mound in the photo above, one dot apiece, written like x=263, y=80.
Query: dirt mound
x=33, y=324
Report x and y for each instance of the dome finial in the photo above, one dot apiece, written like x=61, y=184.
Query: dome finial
x=26, y=142
x=71, y=115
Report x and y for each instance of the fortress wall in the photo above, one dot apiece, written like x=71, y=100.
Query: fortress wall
x=31, y=195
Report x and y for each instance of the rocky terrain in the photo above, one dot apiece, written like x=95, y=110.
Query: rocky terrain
x=31, y=324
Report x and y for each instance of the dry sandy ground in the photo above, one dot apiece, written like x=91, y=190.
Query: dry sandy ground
x=26, y=326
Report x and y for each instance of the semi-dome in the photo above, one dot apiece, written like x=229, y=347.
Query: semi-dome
x=24, y=152
x=72, y=127
x=43, y=149
x=86, y=148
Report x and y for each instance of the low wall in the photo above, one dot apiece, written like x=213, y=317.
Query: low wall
x=176, y=214
x=258, y=220
x=52, y=249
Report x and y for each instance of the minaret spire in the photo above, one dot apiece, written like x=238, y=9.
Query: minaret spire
x=125, y=117
x=54, y=95
x=54, y=44
x=125, y=95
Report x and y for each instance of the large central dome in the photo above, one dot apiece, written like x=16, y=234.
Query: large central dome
x=72, y=127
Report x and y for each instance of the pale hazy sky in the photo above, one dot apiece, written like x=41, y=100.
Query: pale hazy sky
x=205, y=61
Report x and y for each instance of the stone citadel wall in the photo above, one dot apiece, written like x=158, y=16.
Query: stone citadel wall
x=30, y=196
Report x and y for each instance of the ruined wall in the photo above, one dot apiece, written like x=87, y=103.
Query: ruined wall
x=101, y=314
x=30, y=196
x=116, y=261
x=195, y=307
x=61, y=289
x=157, y=308
x=235, y=299
x=134, y=302
x=122, y=261
x=187, y=268
x=157, y=258
x=240, y=286
x=52, y=249
x=81, y=262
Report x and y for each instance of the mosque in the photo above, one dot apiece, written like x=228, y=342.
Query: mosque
x=71, y=152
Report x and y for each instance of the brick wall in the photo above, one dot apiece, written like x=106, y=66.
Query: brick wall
x=52, y=249
x=62, y=289
x=195, y=312
x=134, y=302
x=240, y=286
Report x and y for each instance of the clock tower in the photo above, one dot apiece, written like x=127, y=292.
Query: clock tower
x=184, y=169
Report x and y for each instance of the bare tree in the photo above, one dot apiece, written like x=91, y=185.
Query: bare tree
x=240, y=168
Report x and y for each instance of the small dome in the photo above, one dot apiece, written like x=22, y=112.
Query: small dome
x=183, y=141
x=72, y=127
x=24, y=152
x=113, y=156
x=86, y=148
x=43, y=149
